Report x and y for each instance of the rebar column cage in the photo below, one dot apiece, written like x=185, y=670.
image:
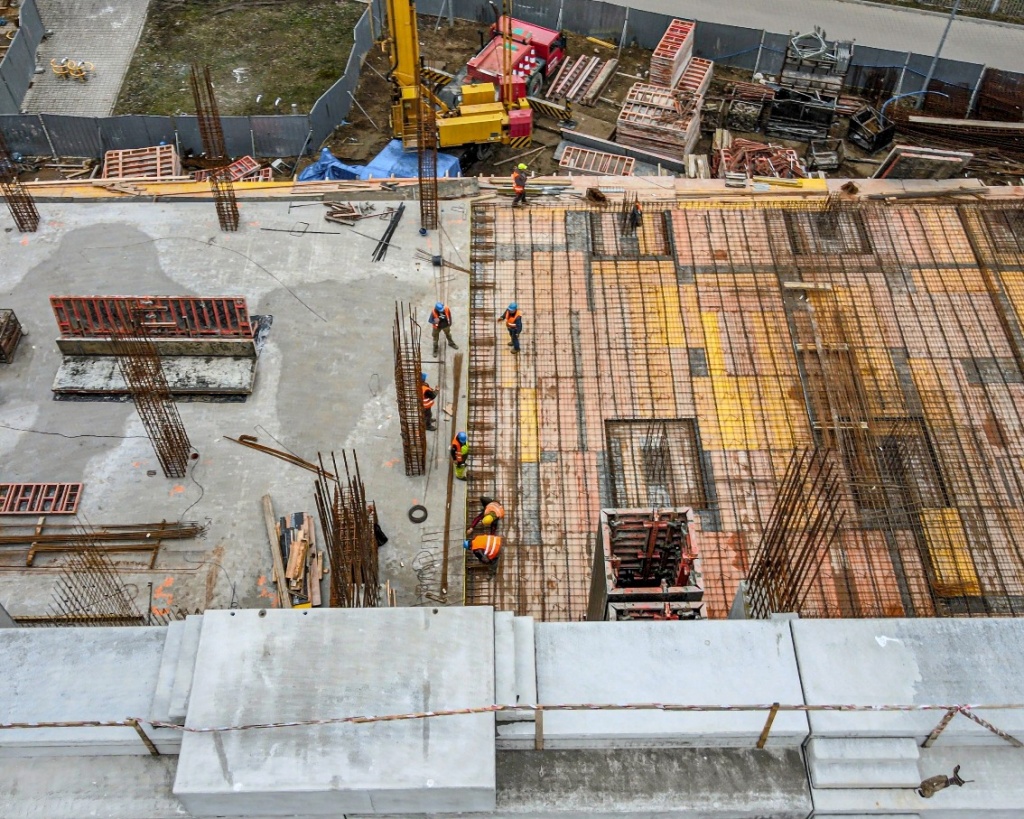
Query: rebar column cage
x=212, y=135
x=408, y=367
x=16, y=195
x=426, y=155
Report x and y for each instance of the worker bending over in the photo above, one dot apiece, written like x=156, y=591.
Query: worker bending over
x=460, y=454
x=519, y=185
x=441, y=321
x=490, y=514
x=514, y=324
x=486, y=548
x=427, y=396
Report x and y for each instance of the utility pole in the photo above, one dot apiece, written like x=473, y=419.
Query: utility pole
x=938, y=51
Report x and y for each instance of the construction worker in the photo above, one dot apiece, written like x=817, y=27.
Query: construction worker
x=636, y=216
x=519, y=185
x=460, y=454
x=427, y=396
x=514, y=324
x=486, y=548
x=441, y=321
x=491, y=513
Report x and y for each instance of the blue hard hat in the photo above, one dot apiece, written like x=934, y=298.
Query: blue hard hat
x=439, y=306
x=512, y=307
x=461, y=437
x=423, y=376
x=465, y=544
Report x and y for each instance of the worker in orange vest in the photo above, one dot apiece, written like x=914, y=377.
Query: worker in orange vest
x=460, y=453
x=441, y=321
x=491, y=513
x=519, y=185
x=513, y=323
x=427, y=396
x=486, y=548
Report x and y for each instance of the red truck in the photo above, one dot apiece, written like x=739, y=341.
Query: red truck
x=536, y=54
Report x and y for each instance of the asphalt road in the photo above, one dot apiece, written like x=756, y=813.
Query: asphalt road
x=997, y=45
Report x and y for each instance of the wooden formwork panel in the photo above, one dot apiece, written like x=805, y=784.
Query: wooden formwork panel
x=596, y=163
x=160, y=162
x=39, y=498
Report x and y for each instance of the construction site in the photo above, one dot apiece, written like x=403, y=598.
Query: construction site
x=649, y=445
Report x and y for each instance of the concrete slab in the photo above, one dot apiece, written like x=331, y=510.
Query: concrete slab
x=43, y=682
x=184, y=669
x=256, y=667
x=504, y=659
x=160, y=709
x=324, y=383
x=705, y=663
x=186, y=375
x=862, y=763
x=526, y=664
x=996, y=792
x=912, y=662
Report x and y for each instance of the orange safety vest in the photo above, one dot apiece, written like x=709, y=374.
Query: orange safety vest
x=434, y=315
x=511, y=318
x=490, y=545
x=496, y=509
x=518, y=181
x=459, y=451
x=427, y=402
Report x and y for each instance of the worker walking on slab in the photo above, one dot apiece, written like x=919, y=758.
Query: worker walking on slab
x=441, y=321
x=427, y=396
x=491, y=512
x=514, y=324
x=485, y=548
x=460, y=455
x=519, y=185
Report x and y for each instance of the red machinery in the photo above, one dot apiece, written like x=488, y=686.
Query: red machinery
x=535, y=54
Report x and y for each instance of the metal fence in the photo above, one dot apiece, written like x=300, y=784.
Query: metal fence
x=1008, y=9
x=877, y=73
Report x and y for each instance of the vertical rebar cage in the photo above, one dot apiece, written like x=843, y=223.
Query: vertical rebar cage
x=408, y=366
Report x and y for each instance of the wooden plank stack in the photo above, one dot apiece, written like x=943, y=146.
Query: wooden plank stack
x=159, y=162
x=660, y=119
x=304, y=564
x=671, y=56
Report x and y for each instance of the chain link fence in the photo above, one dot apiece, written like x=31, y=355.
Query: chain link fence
x=999, y=9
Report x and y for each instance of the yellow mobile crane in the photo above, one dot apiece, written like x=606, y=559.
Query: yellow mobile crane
x=480, y=119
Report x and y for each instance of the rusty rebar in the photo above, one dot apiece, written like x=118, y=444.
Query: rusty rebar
x=19, y=200
x=212, y=135
x=406, y=338
x=426, y=155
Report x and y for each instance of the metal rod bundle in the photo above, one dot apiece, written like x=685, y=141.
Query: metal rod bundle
x=381, y=250
x=407, y=390
x=213, y=144
x=19, y=200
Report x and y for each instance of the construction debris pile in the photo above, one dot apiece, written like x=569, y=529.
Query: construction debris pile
x=813, y=72
x=664, y=114
x=304, y=564
x=744, y=158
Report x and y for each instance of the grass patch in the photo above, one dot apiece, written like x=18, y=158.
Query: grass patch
x=294, y=50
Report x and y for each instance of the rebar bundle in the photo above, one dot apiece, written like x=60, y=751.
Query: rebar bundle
x=89, y=591
x=139, y=362
x=348, y=522
x=426, y=151
x=802, y=526
x=19, y=200
x=212, y=135
x=407, y=390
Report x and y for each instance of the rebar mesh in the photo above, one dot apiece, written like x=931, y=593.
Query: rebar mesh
x=887, y=334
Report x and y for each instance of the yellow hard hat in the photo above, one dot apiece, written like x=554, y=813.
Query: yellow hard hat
x=488, y=519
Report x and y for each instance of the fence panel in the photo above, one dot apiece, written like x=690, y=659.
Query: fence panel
x=280, y=136
x=594, y=18
x=19, y=65
x=1001, y=96
x=186, y=130
x=238, y=135
x=8, y=103
x=31, y=23
x=125, y=132
x=74, y=136
x=24, y=134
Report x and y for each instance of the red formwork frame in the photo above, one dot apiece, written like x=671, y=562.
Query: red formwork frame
x=39, y=498
x=160, y=316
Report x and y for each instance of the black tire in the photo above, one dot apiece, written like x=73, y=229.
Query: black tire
x=535, y=85
x=418, y=513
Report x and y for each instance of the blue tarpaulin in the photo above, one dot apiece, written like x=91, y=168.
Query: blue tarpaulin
x=390, y=162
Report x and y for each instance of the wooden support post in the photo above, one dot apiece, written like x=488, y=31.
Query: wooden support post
x=538, y=731
x=144, y=737
x=761, y=740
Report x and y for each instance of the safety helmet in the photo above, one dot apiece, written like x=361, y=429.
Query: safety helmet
x=465, y=545
x=423, y=377
x=512, y=307
x=488, y=520
x=439, y=306
x=461, y=437
x=522, y=166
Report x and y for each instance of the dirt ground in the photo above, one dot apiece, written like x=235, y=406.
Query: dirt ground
x=287, y=49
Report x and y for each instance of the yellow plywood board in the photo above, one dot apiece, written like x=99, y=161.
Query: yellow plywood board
x=529, y=448
x=713, y=343
x=952, y=565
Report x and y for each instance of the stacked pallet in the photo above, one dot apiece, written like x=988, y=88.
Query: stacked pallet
x=160, y=162
x=245, y=168
x=659, y=119
x=304, y=565
x=582, y=80
x=672, y=54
